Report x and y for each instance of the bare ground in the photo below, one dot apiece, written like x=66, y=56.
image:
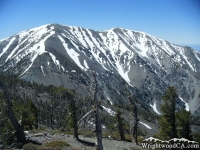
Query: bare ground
x=108, y=144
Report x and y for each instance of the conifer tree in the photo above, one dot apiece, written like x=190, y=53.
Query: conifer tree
x=73, y=118
x=167, y=121
x=184, y=124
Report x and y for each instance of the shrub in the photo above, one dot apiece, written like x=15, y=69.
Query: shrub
x=55, y=144
x=88, y=134
x=30, y=146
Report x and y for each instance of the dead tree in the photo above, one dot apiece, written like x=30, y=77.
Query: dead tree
x=87, y=114
x=135, y=110
x=98, y=143
x=17, y=126
x=120, y=125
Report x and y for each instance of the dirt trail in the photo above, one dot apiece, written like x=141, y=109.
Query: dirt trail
x=108, y=144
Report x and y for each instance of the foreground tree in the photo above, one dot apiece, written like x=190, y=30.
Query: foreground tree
x=184, y=124
x=17, y=126
x=27, y=112
x=167, y=121
x=98, y=143
x=73, y=118
x=135, y=110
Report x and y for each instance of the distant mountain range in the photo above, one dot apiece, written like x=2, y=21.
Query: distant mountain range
x=126, y=62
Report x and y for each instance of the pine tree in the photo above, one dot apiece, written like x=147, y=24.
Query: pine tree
x=184, y=124
x=73, y=118
x=167, y=121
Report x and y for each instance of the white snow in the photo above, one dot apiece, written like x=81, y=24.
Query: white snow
x=197, y=57
x=4, y=39
x=7, y=46
x=35, y=37
x=103, y=126
x=63, y=68
x=142, y=46
x=122, y=72
x=122, y=47
x=22, y=35
x=112, y=47
x=145, y=125
x=93, y=39
x=85, y=64
x=78, y=35
x=110, y=111
x=32, y=60
x=186, y=59
x=72, y=53
x=108, y=98
x=154, y=108
x=42, y=70
x=39, y=28
x=56, y=62
x=186, y=104
x=36, y=52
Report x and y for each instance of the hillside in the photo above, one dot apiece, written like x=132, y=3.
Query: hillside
x=127, y=63
x=47, y=109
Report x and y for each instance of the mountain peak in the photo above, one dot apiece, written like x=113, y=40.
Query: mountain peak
x=125, y=60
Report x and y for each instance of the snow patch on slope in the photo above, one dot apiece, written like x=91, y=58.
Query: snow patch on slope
x=186, y=104
x=42, y=70
x=35, y=51
x=7, y=46
x=56, y=62
x=145, y=125
x=110, y=111
x=85, y=64
x=154, y=108
x=186, y=59
x=72, y=53
x=122, y=72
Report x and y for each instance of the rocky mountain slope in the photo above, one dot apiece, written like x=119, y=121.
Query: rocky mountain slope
x=127, y=63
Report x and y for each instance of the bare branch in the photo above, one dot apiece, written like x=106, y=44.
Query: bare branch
x=88, y=113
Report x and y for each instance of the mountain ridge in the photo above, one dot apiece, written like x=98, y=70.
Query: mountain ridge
x=127, y=62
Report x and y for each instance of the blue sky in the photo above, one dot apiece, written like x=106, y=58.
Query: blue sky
x=177, y=21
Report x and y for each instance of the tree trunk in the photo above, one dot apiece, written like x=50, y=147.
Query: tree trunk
x=134, y=132
x=98, y=143
x=75, y=133
x=120, y=127
x=37, y=120
x=75, y=121
x=18, y=128
x=136, y=123
x=73, y=118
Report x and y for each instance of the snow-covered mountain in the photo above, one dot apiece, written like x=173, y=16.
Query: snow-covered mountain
x=127, y=62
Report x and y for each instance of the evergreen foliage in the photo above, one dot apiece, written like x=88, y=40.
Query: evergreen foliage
x=174, y=123
x=167, y=120
x=59, y=107
x=184, y=119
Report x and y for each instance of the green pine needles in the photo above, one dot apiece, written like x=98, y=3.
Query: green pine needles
x=173, y=123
